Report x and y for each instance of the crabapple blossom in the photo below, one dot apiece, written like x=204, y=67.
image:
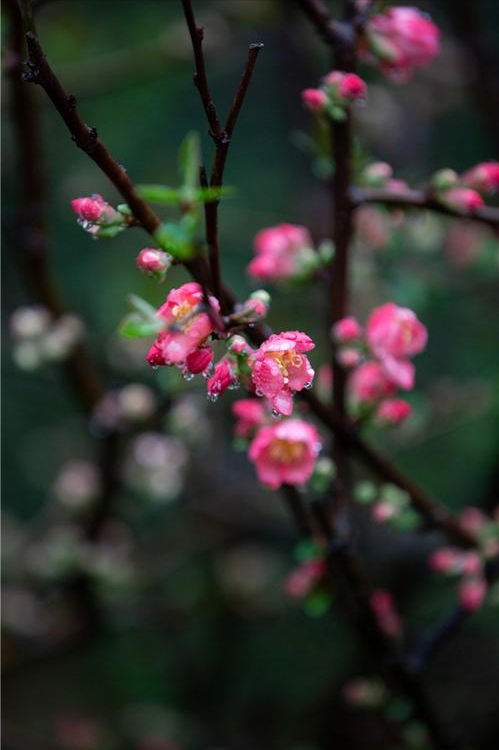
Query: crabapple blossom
x=384, y=608
x=402, y=38
x=250, y=414
x=377, y=174
x=346, y=330
x=445, y=560
x=97, y=217
x=349, y=357
x=472, y=592
x=200, y=359
x=187, y=328
x=285, y=453
x=314, y=99
x=393, y=411
x=303, y=578
x=462, y=199
x=393, y=334
x=254, y=309
x=224, y=376
x=369, y=383
x=154, y=262
x=279, y=367
x=282, y=252
x=483, y=177
x=347, y=87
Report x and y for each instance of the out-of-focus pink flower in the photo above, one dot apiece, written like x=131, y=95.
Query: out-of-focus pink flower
x=280, y=367
x=384, y=511
x=377, y=174
x=252, y=310
x=402, y=39
x=462, y=199
x=397, y=186
x=95, y=210
x=345, y=86
x=303, y=578
x=154, y=262
x=445, y=560
x=369, y=383
x=472, y=592
x=393, y=411
x=463, y=241
x=285, y=453
x=471, y=563
x=314, y=99
x=188, y=329
x=372, y=226
x=472, y=519
x=349, y=357
x=384, y=608
x=200, y=359
x=394, y=333
x=279, y=252
x=223, y=377
x=250, y=414
x=483, y=177
x=347, y=330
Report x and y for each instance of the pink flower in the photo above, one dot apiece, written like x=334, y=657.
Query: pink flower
x=349, y=357
x=464, y=200
x=280, y=367
x=471, y=563
x=279, y=252
x=369, y=383
x=199, y=360
x=285, y=453
x=472, y=519
x=346, y=330
x=372, y=226
x=94, y=209
x=347, y=87
x=303, y=578
x=383, y=606
x=153, y=261
x=314, y=99
x=472, y=592
x=445, y=560
x=394, y=333
x=393, y=411
x=483, y=177
x=187, y=330
x=403, y=39
x=223, y=377
x=384, y=511
x=250, y=414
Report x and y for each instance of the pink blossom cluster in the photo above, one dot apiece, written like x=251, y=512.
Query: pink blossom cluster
x=464, y=193
x=385, y=610
x=304, y=578
x=379, y=358
x=337, y=91
x=283, y=253
x=399, y=40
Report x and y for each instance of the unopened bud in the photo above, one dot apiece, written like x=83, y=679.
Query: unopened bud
x=154, y=262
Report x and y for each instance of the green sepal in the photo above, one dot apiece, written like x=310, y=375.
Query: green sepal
x=142, y=321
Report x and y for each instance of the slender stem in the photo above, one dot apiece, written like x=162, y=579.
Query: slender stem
x=421, y=199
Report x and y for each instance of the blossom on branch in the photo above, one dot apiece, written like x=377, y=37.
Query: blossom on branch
x=250, y=414
x=284, y=252
x=483, y=177
x=280, y=367
x=285, y=453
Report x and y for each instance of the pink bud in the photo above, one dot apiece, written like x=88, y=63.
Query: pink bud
x=346, y=330
x=199, y=360
x=393, y=411
x=445, y=560
x=377, y=174
x=314, y=99
x=464, y=200
x=153, y=262
x=383, y=606
x=472, y=519
x=352, y=87
x=222, y=378
x=472, y=592
x=484, y=177
x=384, y=511
x=95, y=209
x=471, y=563
x=349, y=358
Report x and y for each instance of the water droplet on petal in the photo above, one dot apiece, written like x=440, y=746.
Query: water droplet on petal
x=308, y=386
x=154, y=367
x=234, y=386
x=258, y=392
x=213, y=397
x=188, y=376
x=276, y=414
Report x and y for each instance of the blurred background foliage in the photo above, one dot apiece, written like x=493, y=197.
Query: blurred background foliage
x=191, y=641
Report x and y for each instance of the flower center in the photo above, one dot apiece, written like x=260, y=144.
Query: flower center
x=286, y=360
x=287, y=452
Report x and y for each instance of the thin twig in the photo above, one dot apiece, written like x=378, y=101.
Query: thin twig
x=421, y=199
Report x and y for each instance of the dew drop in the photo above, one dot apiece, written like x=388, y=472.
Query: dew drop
x=276, y=414
x=154, y=367
x=234, y=386
x=213, y=397
x=258, y=392
x=308, y=386
x=188, y=376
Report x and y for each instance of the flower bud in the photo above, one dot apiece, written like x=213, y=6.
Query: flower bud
x=314, y=99
x=445, y=560
x=464, y=200
x=393, y=411
x=154, y=262
x=223, y=377
x=472, y=592
x=347, y=330
x=199, y=360
x=377, y=174
x=484, y=177
x=444, y=179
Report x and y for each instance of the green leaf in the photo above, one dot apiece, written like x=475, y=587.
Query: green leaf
x=178, y=239
x=204, y=195
x=134, y=326
x=159, y=194
x=142, y=307
x=189, y=157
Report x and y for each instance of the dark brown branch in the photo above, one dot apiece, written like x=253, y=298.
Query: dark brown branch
x=332, y=32
x=421, y=199
x=437, y=516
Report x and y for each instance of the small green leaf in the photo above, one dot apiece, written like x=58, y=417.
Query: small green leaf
x=189, y=157
x=204, y=195
x=177, y=239
x=142, y=307
x=159, y=194
x=134, y=326
x=317, y=603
